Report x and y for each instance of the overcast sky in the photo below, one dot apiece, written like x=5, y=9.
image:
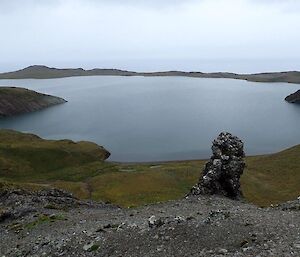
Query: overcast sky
x=150, y=35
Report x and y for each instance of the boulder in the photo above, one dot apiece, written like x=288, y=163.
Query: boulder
x=221, y=174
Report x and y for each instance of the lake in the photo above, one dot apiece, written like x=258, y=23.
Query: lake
x=163, y=118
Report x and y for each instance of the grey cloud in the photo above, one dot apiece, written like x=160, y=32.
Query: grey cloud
x=11, y=5
x=81, y=31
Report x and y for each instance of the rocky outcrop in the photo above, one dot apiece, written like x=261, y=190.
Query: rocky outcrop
x=222, y=172
x=15, y=101
x=293, y=98
x=18, y=203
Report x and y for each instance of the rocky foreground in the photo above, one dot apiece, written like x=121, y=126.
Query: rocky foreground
x=53, y=223
x=15, y=101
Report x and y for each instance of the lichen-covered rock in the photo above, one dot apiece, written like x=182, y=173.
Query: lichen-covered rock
x=222, y=172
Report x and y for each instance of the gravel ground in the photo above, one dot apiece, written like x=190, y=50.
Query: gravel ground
x=56, y=224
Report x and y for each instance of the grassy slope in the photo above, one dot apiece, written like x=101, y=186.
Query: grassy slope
x=27, y=160
x=273, y=178
x=15, y=100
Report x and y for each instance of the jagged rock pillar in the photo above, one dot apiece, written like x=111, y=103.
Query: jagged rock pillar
x=221, y=174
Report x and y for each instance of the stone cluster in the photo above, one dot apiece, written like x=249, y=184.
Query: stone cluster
x=221, y=174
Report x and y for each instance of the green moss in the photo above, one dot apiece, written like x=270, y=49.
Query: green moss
x=42, y=218
x=95, y=247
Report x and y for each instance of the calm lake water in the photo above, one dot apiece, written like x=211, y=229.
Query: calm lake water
x=163, y=118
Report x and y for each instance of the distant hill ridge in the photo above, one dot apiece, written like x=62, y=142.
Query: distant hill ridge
x=44, y=72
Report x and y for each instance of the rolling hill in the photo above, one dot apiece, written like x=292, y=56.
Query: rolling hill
x=15, y=100
x=44, y=72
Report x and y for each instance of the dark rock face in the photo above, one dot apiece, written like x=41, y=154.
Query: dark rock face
x=222, y=173
x=293, y=98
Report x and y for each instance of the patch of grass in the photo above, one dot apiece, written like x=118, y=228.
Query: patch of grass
x=15, y=226
x=5, y=185
x=42, y=218
x=51, y=207
x=122, y=188
x=95, y=247
x=146, y=185
x=274, y=178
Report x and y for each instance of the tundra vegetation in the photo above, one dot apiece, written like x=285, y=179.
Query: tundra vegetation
x=27, y=161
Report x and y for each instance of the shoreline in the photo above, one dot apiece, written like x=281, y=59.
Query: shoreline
x=156, y=163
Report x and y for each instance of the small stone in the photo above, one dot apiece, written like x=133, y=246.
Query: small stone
x=244, y=243
x=91, y=247
x=253, y=237
x=151, y=221
x=52, y=216
x=154, y=222
x=223, y=251
x=160, y=248
x=121, y=226
x=245, y=249
x=100, y=230
x=107, y=226
x=179, y=219
x=297, y=245
x=190, y=218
